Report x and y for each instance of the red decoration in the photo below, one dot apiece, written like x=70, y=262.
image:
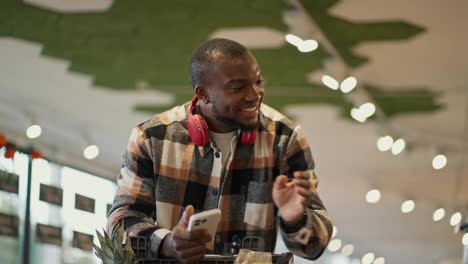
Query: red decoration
x=10, y=151
x=3, y=140
x=36, y=154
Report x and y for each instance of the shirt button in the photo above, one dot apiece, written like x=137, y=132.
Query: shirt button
x=214, y=192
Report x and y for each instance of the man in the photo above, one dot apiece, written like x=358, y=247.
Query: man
x=225, y=150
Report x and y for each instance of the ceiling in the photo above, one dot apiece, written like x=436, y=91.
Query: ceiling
x=89, y=72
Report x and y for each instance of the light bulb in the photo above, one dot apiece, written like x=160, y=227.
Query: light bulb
x=367, y=109
x=368, y=258
x=91, y=152
x=398, y=146
x=439, y=162
x=33, y=131
x=330, y=82
x=373, y=196
x=358, y=115
x=348, y=84
x=407, y=206
x=334, y=245
x=308, y=45
x=385, y=143
x=347, y=250
x=438, y=214
x=294, y=40
x=455, y=219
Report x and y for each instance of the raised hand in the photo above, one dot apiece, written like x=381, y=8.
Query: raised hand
x=291, y=198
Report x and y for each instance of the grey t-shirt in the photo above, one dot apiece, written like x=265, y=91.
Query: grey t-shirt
x=223, y=143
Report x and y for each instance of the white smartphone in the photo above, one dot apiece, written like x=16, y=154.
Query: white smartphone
x=208, y=220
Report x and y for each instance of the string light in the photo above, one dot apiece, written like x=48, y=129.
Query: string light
x=439, y=162
x=363, y=112
x=347, y=250
x=334, y=245
x=368, y=258
x=33, y=131
x=330, y=82
x=91, y=152
x=307, y=45
x=293, y=39
x=368, y=109
x=385, y=143
x=407, y=206
x=398, y=146
x=302, y=45
x=358, y=115
x=438, y=214
x=373, y=196
x=455, y=219
x=348, y=84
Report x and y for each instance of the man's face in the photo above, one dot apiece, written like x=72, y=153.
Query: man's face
x=236, y=88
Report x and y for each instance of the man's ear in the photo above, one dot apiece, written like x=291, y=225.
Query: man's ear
x=202, y=93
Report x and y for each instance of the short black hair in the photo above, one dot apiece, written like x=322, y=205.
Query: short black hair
x=202, y=57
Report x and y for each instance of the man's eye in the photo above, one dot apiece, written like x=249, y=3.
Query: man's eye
x=260, y=82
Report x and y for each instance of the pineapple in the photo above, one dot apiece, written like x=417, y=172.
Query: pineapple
x=114, y=251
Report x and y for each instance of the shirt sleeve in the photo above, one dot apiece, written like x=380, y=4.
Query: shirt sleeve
x=311, y=237
x=134, y=202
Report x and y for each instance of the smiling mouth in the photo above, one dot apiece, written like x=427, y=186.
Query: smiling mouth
x=250, y=109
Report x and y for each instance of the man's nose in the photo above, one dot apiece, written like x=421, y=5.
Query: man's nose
x=254, y=93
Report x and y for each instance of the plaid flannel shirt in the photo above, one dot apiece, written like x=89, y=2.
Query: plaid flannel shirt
x=164, y=172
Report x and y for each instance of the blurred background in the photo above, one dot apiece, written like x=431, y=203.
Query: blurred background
x=380, y=88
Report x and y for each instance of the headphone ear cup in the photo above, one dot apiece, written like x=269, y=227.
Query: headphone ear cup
x=249, y=137
x=198, y=130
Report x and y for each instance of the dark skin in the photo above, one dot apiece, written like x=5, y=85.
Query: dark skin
x=186, y=246
x=232, y=92
x=230, y=99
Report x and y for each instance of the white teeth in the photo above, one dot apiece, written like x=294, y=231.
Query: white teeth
x=251, y=109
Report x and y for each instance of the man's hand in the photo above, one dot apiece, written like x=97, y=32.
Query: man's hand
x=292, y=197
x=186, y=246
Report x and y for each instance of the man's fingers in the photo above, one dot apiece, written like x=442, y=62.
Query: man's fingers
x=187, y=214
x=193, y=251
x=194, y=235
x=182, y=245
x=304, y=192
x=189, y=246
x=303, y=183
x=300, y=178
x=184, y=220
x=301, y=175
x=281, y=182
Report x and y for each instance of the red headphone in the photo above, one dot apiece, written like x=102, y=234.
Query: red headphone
x=198, y=129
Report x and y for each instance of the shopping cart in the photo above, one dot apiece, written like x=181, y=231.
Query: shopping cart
x=139, y=246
